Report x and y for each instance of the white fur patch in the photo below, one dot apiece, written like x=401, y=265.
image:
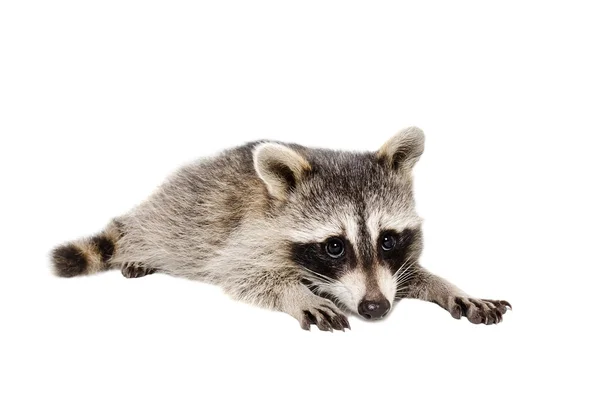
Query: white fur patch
x=314, y=230
x=355, y=283
x=386, y=282
x=351, y=226
x=379, y=221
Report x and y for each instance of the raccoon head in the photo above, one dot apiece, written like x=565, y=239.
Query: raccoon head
x=348, y=219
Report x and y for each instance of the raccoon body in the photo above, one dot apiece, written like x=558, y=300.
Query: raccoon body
x=312, y=232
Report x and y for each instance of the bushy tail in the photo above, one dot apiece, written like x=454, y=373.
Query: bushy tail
x=88, y=255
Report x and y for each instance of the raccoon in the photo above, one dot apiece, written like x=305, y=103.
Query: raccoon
x=315, y=233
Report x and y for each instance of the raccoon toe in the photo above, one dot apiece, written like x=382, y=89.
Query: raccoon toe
x=324, y=320
x=478, y=311
x=320, y=320
x=133, y=270
x=325, y=316
x=337, y=321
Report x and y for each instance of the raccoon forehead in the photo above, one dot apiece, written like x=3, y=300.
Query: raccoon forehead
x=319, y=229
x=349, y=225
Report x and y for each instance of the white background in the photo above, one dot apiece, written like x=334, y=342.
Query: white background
x=99, y=101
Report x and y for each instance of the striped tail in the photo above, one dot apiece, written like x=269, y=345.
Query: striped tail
x=88, y=255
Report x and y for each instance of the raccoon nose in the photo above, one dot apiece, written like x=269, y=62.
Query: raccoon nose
x=372, y=310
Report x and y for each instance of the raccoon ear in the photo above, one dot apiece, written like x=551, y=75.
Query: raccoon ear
x=280, y=167
x=402, y=151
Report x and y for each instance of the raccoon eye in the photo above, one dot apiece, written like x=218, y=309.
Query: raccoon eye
x=388, y=242
x=334, y=247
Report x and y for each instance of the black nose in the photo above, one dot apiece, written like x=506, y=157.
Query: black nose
x=372, y=310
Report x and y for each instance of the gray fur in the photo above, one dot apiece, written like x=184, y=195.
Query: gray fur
x=233, y=219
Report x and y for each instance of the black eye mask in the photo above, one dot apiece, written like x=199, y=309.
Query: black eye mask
x=331, y=258
x=397, y=254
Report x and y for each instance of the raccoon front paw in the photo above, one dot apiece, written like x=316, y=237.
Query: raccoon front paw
x=324, y=314
x=478, y=311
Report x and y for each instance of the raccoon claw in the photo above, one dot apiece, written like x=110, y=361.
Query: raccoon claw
x=478, y=311
x=325, y=318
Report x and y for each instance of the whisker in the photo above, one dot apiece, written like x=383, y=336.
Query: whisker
x=399, y=277
x=320, y=281
x=321, y=275
x=404, y=279
x=400, y=292
x=402, y=276
x=402, y=266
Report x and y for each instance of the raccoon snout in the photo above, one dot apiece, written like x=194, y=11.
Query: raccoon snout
x=372, y=310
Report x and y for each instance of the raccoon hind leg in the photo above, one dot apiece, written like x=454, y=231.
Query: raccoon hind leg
x=135, y=270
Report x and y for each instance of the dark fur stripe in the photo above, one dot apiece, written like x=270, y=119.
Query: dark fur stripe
x=105, y=247
x=73, y=259
x=69, y=261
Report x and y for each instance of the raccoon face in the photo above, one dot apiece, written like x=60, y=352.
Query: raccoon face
x=348, y=219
